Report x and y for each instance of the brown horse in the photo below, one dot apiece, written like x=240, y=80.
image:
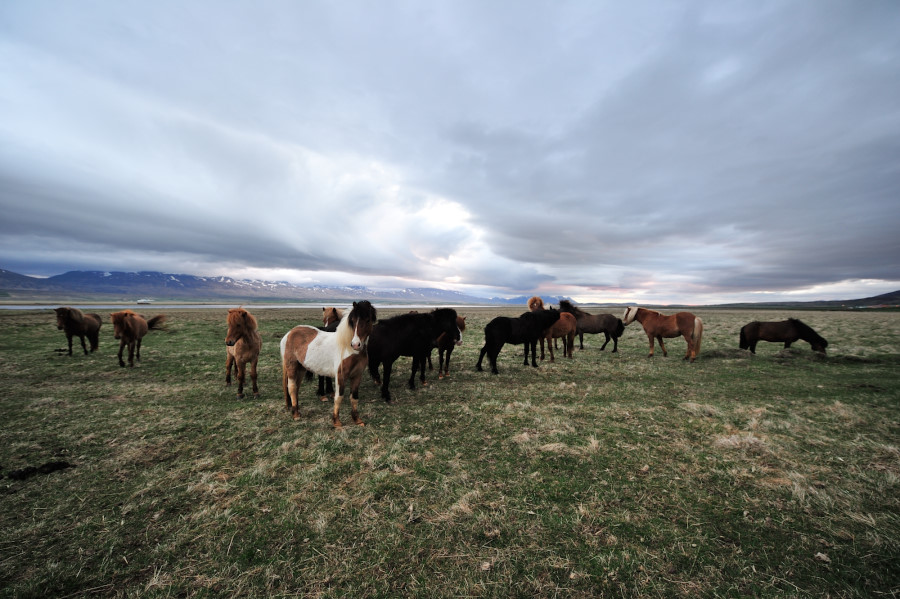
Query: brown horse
x=78, y=324
x=130, y=328
x=658, y=325
x=607, y=324
x=563, y=328
x=445, y=344
x=786, y=331
x=535, y=304
x=242, y=345
x=331, y=315
x=340, y=354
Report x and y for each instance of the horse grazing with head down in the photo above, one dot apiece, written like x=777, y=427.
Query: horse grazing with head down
x=242, y=346
x=657, y=326
x=607, y=324
x=130, y=329
x=340, y=354
x=524, y=330
x=412, y=335
x=786, y=331
x=78, y=324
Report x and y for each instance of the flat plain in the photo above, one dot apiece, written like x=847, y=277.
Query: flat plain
x=605, y=475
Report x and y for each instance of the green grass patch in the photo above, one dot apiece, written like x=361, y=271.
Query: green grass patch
x=605, y=475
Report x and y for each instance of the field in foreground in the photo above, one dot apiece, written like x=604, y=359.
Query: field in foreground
x=607, y=475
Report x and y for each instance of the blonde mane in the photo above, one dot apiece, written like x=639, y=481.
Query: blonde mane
x=344, y=337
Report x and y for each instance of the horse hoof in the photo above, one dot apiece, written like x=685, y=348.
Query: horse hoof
x=256, y=396
x=323, y=398
x=240, y=396
x=296, y=417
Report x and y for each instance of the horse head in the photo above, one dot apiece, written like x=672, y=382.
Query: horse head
x=630, y=314
x=119, y=320
x=67, y=315
x=361, y=320
x=330, y=315
x=240, y=323
x=446, y=321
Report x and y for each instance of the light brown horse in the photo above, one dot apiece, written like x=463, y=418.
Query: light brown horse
x=130, y=328
x=242, y=345
x=340, y=354
x=658, y=325
x=78, y=324
x=563, y=328
x=331, y=315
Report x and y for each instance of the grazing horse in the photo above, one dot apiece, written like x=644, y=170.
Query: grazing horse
x=524, y=330
x=130, y=329
x=607, y=324
x=788, y=331
x=565, y=328
x=242, y=345
x=78, y=324
x=658, y=325
x=413, y=335
x=340, y=355
x=445, y=344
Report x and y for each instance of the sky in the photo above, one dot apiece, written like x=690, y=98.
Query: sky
x=691, y=152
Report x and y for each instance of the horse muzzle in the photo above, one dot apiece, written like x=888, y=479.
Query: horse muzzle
x=230, y=343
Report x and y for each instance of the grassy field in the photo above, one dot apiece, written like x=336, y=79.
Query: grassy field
x=607, y=475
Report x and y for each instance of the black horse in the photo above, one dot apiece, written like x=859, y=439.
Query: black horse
x=609, y=325
x=78, y=324
x=524, y=330
x=412, y=335
x=788, y=331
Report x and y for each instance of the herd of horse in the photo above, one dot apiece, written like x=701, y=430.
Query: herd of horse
x=348, y=344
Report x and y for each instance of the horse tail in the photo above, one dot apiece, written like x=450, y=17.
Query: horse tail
x=697, y=334
x=744, y=344
x=156, y=322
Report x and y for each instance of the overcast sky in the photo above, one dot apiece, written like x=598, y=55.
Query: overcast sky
x=655, y=152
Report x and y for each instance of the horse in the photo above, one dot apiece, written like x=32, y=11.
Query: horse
x=340, y=354
x=535, y=304
x=445, y=344
x=524, y=330
x=331, y=315
x=130, y=329
x=242, y=346
x=413, y=335
x=78, y=324
x=658, y=325
x=563, y=328
x=788, y=331
x=607, y=324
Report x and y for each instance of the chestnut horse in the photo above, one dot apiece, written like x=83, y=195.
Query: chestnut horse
x=341, y=355
x=565, y=328
x=78, y=324
x=242, y=345
x=658, y=325
x=607, y=324
x=788, y=331
x=130, y=329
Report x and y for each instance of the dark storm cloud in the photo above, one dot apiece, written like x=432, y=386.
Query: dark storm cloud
x=695, y=151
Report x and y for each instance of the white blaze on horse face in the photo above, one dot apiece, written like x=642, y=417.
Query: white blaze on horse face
x=356, y=342
x=459, y=341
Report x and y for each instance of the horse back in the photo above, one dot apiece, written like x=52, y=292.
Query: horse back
x=296, y=343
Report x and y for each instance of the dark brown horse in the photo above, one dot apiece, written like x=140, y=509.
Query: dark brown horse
x=658, y=325
x=340, y=354
x=611, y=326
x=78, y=324
x=242, y=345
x=786, y=331
x=130, y=328
x=445, y=344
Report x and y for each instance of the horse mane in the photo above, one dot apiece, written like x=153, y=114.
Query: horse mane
x=567, y=306
x=807, y=330
x=239, y=316
x=535, y=303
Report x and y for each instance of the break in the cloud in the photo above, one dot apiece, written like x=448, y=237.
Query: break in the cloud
x=690, y=152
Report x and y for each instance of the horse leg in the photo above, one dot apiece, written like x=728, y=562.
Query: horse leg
x=570, y=342
x=650, y=355
x=615, y=344
x=228, y=363
x=689, y=355
x=137, y=346
x=550, y=343
x=602, y=347
x=83, y=346
x=787, y=344
x=581, y=340
x=69, y=338
x=121, y=349
x=481, y=357
x=662, y=345
x=412, y=377
x=385, y=383
x=253, y=377
x=542, y=349
x=241, y=372
x=293, y=375
x=447, y=363
x=533, y=354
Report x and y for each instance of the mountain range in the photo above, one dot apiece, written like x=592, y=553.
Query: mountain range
x=130, y=286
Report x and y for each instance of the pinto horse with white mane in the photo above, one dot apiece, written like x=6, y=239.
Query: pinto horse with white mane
x=658, y=325
x=340, y=355
x=242, y=346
